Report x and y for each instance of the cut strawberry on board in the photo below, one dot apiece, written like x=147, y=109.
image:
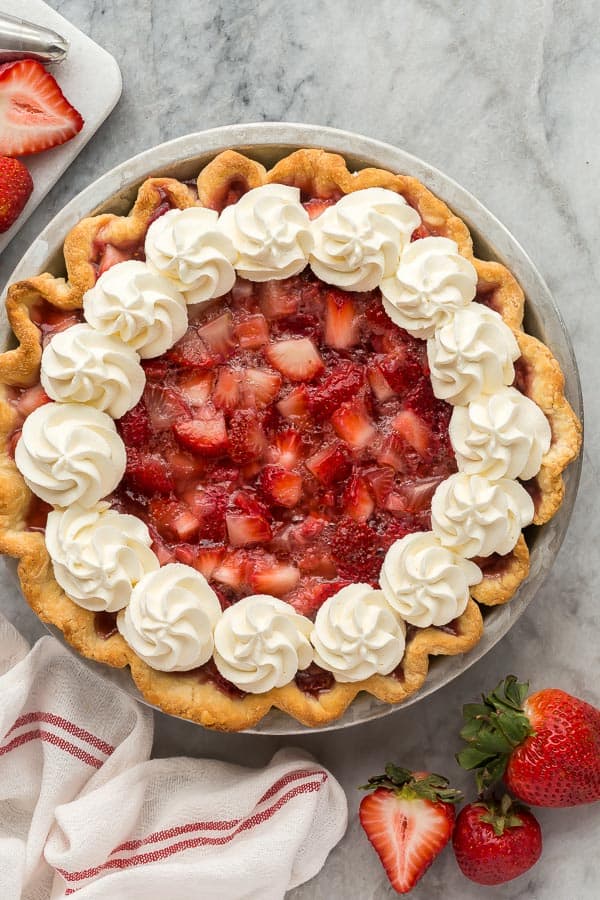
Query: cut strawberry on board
x=34, y=113
x=16, y=186
x=408, y=819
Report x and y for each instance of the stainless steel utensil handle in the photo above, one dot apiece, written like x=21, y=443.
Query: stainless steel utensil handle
x=24, y=40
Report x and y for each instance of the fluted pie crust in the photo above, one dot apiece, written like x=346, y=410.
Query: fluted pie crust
x=321, y=175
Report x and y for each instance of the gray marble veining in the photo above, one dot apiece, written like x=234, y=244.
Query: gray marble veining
x=500, y=97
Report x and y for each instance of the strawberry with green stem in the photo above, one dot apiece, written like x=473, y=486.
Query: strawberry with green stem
x=408, y=819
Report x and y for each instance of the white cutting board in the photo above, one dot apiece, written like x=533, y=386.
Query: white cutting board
x=89, y=78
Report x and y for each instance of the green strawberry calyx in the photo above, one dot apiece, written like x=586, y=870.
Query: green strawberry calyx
x=493, y=729
x=414, y=786
x=503, y=815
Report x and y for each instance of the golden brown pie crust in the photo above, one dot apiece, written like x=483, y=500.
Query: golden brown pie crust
x=317, y=174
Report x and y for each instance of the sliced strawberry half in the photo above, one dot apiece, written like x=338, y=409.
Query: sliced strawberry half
x=260, y=387
x=253, y=332
x=358, y=500
x=218, y=335
x=342, y=324
x=34, y=113
x=174, y=520
x=353, y=424
x=297, y=359
x=148, y=473
x=281, y=486
x=330, y=464
x=206, y=436
x=226, y=394
x=165, y=406
x=244, y=530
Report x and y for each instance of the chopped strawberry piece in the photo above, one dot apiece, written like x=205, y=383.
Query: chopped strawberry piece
x=16, y=187
x=208, y=506
x=243, y=292
x=35, y=113
x=379, y=385
x=165, y=406
x=206, y=436
x=281, y=486
x=341, y=384
x=226, y=394
x=230, y=571
x=260, y=387
x=296, y=404
x=297, y=359
x=196, y=388
x=155, y=369
x=247, y=440
x=311, y=594
x=353, y=425
x=376, y=316
x=147, y=473
x=253, y=332
x=381, y=481
x=218, y=335
x=164, y=553
x=276, y=300
x=357, y=551
x=248, y=502
x=184, y=467
x=402, y=370
x=330, y=464
x=421, y=232
x=287, y=448
x=413, y=496
x=277, y=579
x=32, y=398
x=191, y=352
x=208, y=560
x=391, y=454
x=245, y=530
x=134, y=426
x=318, y=561
x=413, y=429
x=174, y=520
x=342, y=329
x=357, y=500
x=111, y=257
x=309, y=531
x=316, y=205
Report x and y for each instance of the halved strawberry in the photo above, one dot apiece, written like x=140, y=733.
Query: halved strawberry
x=173, y=520
x=218, y=335
x=276, y=579
x=253, y=332
x=245, y=529
x=147, y=473
x=191, y=352
x=134, y=426
x=165, y=406
x=408, y=819
x=196, y=388
x=281, y=486
x=286, y=449
x=276, y=300
x=32, y=398
x=340, y=384
x=353, y=425
x=111, y=256
x=297, y=359
x=226, y=394
x=296, y=404
x=380, y=386
x=259, y=387
x=357, y=500
x=206, y=436
x=341, y=321
x=34, y=113
x=247, y=440
x=330, y=464
x=413, y=429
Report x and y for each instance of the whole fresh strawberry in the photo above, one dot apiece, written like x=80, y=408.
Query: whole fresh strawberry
x=15, y=190
x=496, y=843
x=409, y=819
x=545, y=746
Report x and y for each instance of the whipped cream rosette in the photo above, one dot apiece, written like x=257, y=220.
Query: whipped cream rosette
x=358, y=240
x=189, y=247
x=170, y=619
x=98, y=555
x=270, y=231
x=357, y=634
x=70, y=453
x=134, y=303
x=81, y=365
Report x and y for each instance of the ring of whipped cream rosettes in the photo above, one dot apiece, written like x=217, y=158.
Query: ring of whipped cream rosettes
x=71, y=455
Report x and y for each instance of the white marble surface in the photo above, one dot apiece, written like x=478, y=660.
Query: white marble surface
x=501, y=97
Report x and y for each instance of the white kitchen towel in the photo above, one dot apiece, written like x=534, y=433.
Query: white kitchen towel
x=84, y=813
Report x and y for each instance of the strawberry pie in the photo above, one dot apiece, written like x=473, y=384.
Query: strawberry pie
x=275, y=438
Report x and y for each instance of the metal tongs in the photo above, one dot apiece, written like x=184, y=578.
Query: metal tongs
x=24, y=40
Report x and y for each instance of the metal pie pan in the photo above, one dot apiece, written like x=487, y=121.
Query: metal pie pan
x=267, y=142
